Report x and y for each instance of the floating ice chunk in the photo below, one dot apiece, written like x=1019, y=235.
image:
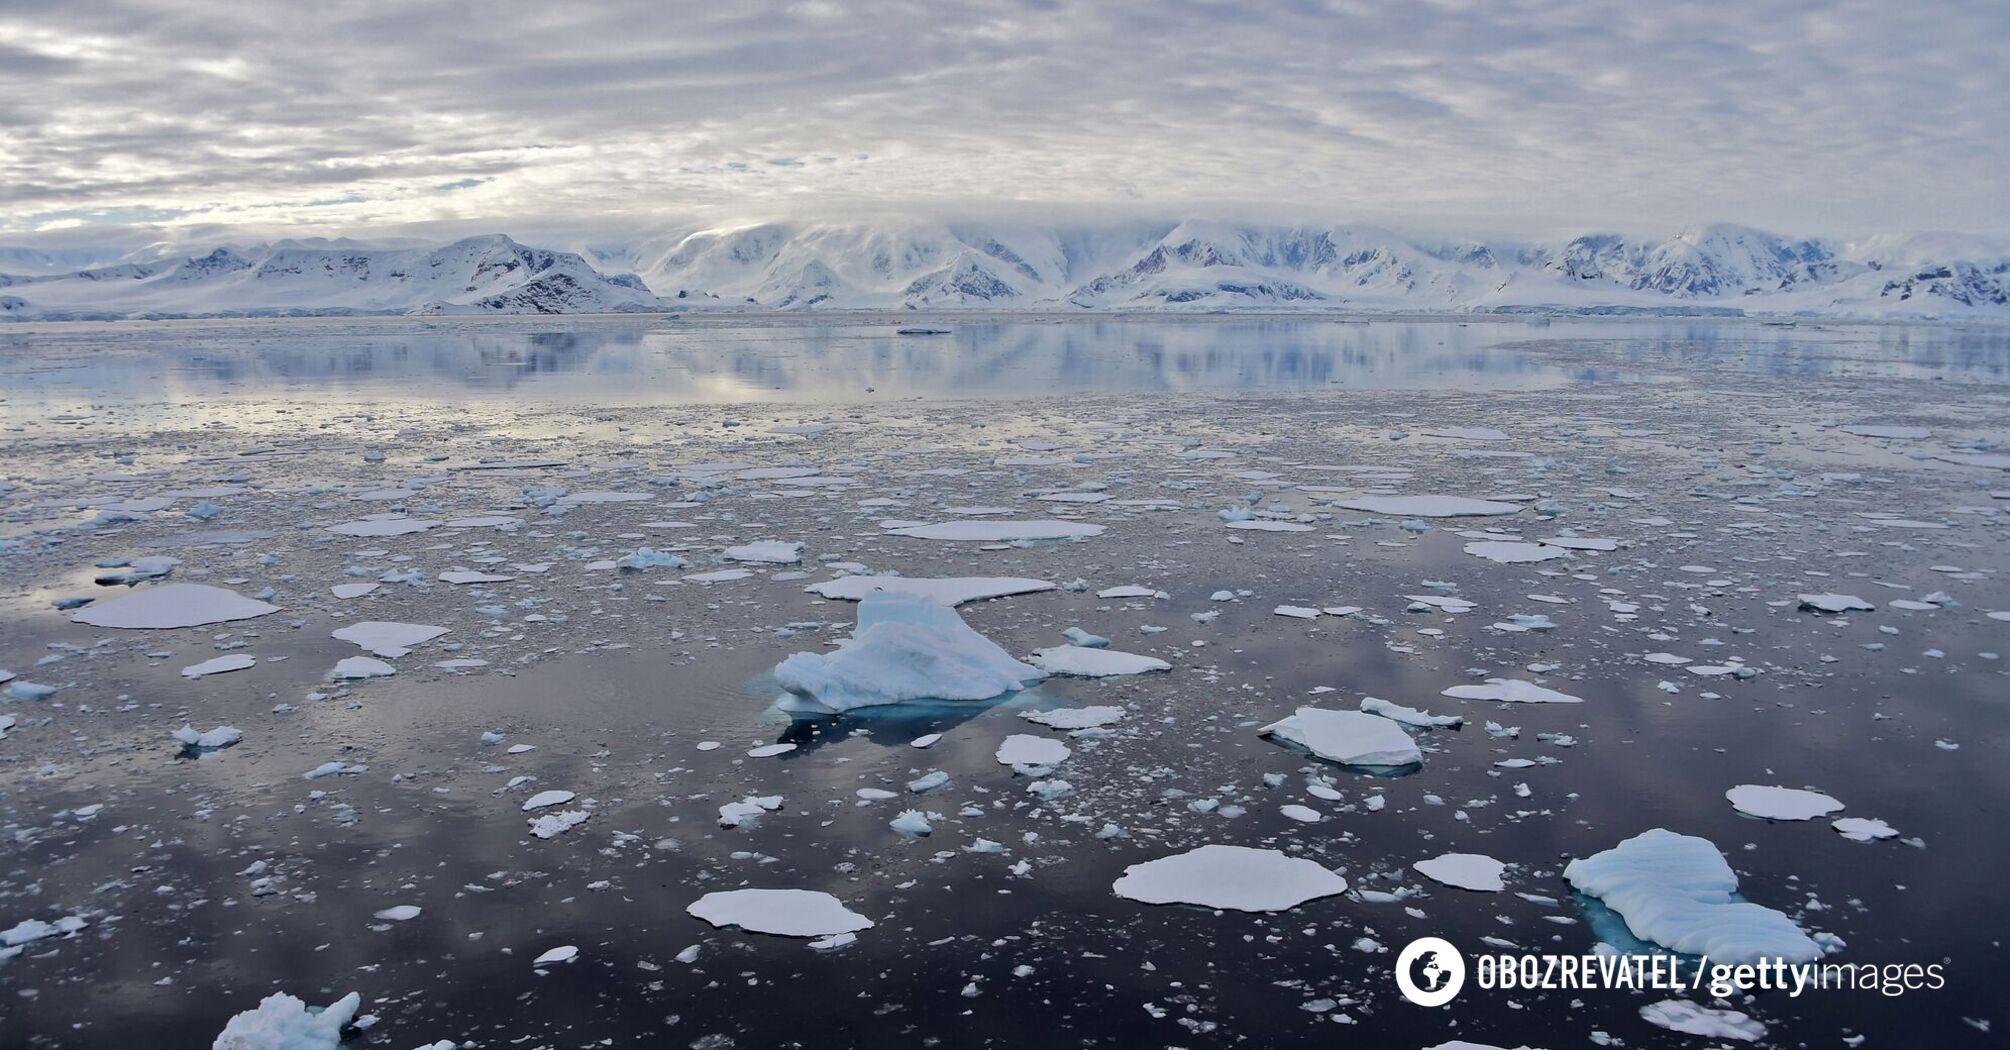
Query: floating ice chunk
x=1468, y=871
x=173, y=605
x=1680, y=1015
x=552, y=824
x=564, y=953
x=1023, y=751
x=1834, y=603
x=911, y=822
x=355, y=667
x=1467, y=433
x=28, y=931
x=1410, y=716
x=1001, y=531
x=219, y=665
x=905, y=648
x=928, y=782
x=950, y=591
x=1863, y=829
x=460, y=576
x=785, y=913
x=1882, y=430
x=1514, y=552
x=1780, y=803
x=1302, y=814
x=1676, y=891
x=770, y=750
x=400, y=913
x=1074, y=717
x=1347, y=737
x=650, y=558
x=1266, y=525
x=1296, y=612
x=774, y=552
x=388, y=640
x=1430, y=506
x=352, y=590
x=383, y=525
x=1084, y=662
x=1236, y=878
x=1130, y=591
x=335, y=769
x=282, y=1022
x=1581, y=543
x=1511, y=691
x=547, y=798
x=734, y=814
x=215, y=739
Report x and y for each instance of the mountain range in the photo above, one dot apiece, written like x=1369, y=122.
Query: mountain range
x=925, y=265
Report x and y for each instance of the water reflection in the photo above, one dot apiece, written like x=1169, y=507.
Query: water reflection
x=668, y=360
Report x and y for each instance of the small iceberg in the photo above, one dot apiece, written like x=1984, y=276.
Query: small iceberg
x=282, y=1022
x=1677, y=891
x=784, y=913
x=906, y=647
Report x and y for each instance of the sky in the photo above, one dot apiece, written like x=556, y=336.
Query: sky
x=373, y=117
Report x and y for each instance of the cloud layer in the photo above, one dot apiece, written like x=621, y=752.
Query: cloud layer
x=1829, y=115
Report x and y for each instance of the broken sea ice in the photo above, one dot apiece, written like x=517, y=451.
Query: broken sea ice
x=906, y=647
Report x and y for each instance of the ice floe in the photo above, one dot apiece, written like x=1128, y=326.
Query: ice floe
x=784, y=913
x=950, y=590
x=1348, y=737
x=173, y=605
x=1232, y=878
x=1780, y=803
x=993, y=531
x=1430, y=506
x=1467, y=871
x=1680, y=1015
x=1025, y=752
x=1511, y=691
x=1074, y=717
x=1083, y=662
x=386, y=639
x=219, y=665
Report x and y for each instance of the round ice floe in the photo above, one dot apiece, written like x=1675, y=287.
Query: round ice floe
x=1780, y=803
x=1074, y=717
x=1467, y=871
x=1863, y=829
x=784, y=913
x=173, y=605
x=1236, y=878
x=1430, y=506
x=547, y=798
x=1023, y=750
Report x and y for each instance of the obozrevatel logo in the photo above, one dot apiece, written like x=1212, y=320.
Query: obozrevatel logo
x=1430, y=972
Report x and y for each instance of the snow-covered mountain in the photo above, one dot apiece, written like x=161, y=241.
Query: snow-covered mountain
x=916, y=264
x=478, y=275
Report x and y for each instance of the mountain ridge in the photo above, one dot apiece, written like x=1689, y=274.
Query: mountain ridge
x=1185, y=265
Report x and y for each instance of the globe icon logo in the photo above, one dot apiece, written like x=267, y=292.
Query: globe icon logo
x=1430, y=972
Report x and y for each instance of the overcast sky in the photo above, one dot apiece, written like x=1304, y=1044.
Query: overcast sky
x=1533, y=116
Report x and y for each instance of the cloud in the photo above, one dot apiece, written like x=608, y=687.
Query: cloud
x=1841, y=115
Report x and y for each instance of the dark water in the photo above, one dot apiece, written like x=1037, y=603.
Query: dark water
x=616, y=691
